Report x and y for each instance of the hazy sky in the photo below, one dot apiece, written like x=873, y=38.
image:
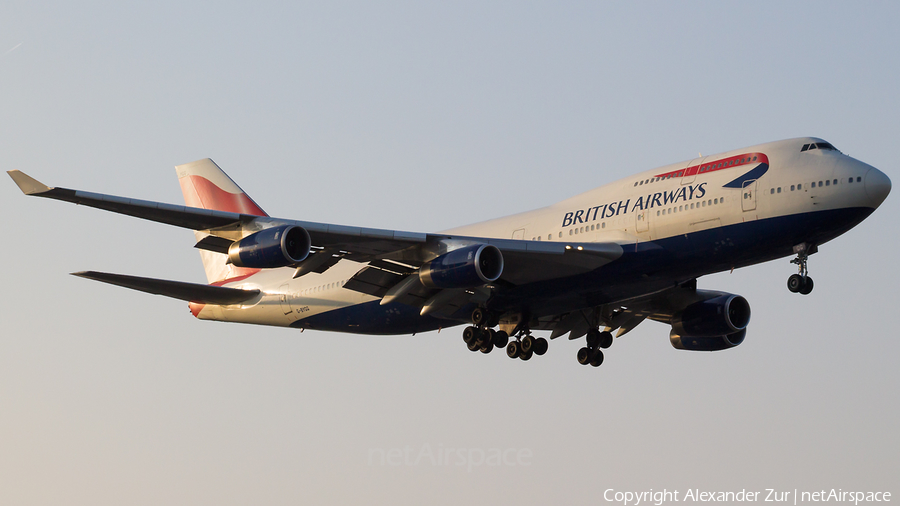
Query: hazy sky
x=422, y=116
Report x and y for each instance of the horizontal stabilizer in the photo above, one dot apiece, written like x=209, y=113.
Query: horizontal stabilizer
x=191, y=292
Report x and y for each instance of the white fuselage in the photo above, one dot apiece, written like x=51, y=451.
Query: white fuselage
x=676, y=200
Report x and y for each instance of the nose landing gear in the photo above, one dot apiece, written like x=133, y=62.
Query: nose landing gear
x=802, y=283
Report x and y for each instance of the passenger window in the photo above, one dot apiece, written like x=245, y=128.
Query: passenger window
x=560, y=234
x=827, y=183
x=571, y=232
x=835, y=181
x=603, y=225
x=792, y=187
x=858, y=179
x=772, y=191
x=779, y=189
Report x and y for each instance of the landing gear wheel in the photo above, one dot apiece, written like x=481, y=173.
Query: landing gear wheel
x=470, y=334
x=540, y=346
x=597, y=358
x=501, y=339
x=480, y=316
x=526, y=356
x=487, y=347
x=807, y=286
x=795, y=283
x=593, y=338
x=527, y=344
x=473, y=345
x=606, y=340
x=513, y=350
x=584, y=356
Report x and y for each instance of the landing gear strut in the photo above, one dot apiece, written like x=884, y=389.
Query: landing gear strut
x=802, y=283
x=592, y=354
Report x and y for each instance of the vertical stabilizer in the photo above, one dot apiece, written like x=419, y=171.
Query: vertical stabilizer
x=206, y=186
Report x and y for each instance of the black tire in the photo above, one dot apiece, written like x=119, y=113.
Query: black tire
x=807, y=287
x=501, y=339
x=584, y=356
x=473, y=345
x=597, y=358
x=795, y=283
x=487, y=347
x=540, y=346
x=479, y=316
x=593, y=337
x=606, y=340
x=527, y=344
x=513, y=350
x=470, y=334
x=527, y=355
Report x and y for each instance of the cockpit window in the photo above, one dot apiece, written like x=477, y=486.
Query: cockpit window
x=818, y=145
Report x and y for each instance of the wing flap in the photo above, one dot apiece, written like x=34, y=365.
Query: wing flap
x=191, y=292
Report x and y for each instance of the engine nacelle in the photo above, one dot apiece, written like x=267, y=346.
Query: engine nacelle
x=463, y=268
x=720, y=316
x=271, y=248
x=714, y=343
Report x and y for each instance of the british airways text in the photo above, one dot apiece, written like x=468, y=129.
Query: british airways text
x=610, y=210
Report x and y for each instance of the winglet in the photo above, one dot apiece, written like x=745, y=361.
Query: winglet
x=28, y=184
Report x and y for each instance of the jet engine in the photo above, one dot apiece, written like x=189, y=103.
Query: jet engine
x=714, y=324
x=271, y=248
x=466, y=267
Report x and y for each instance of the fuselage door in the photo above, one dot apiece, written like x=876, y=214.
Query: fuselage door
x=748, y=196
x=285, y=298
x=642, y=221
x=690, y=172
x=519, y=234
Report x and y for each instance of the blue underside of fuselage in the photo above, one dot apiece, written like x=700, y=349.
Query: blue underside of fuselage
x=643, y=268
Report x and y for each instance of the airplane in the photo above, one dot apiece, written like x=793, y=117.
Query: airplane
x=597, y=263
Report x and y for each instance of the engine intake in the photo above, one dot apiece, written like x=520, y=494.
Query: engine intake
x=466, y=267
x=271, y=248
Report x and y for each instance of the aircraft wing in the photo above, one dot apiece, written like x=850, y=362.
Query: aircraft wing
x=525, y=261
x=191, y=292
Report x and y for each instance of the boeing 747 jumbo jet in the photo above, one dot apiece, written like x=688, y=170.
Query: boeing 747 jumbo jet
x=594, y=264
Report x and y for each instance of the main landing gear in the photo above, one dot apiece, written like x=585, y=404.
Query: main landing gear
x=481, y=337
x=592, y=354
x=801, y=283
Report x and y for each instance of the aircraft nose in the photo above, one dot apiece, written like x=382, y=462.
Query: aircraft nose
x=878, y=185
